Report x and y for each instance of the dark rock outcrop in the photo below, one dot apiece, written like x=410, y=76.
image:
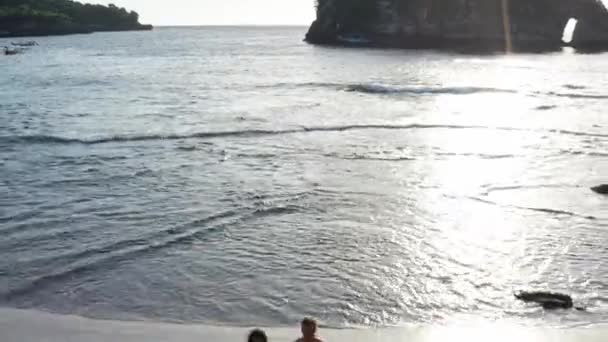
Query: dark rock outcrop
x=20, y=18
x=548, y=300
x=495, y=24
x=601, y=189
x=43, y=31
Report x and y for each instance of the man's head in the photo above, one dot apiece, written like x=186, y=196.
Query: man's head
x=309, y=327
x=257, y=335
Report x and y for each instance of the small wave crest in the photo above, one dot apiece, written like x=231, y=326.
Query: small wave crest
x=546, y=107
x=376, y=88
x=79, y=263
x=369, y=158
x=576, y=95
x=542, y=210
x=574, y=86
x=385, y=89
x=47, y=139
x=283, y=85
x=101, y=257
x=577, y=133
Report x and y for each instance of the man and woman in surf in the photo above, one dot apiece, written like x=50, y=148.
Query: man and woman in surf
x=308, y=327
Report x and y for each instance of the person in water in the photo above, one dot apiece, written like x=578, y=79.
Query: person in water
x=257, y=335
x=309, y=331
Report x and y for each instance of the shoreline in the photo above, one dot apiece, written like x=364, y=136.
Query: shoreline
x=21, y=325
x=67, y=32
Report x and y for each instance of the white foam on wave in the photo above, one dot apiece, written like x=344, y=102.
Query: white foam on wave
x=23, y=325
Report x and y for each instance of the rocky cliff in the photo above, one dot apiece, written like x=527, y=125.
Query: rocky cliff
x=57, y=17
x=495, y=24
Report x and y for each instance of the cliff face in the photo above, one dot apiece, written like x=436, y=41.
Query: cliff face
x=55, y=17
x=500, y=24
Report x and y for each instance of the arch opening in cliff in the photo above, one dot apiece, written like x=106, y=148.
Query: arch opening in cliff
x=569, y=30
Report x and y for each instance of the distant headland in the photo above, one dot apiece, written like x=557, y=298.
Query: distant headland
x=509, y=25
x=20, y=18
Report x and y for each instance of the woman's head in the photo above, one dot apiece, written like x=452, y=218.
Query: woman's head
x=309, y=327
x=257, y=335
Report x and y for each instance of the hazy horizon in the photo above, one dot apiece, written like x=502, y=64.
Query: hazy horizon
x=219, y=13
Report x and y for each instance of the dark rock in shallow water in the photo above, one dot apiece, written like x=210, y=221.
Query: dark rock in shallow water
x=504, y=25
x=548, y=300
x=601, y=189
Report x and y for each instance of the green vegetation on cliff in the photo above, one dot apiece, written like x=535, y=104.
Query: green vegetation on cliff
x=48, y=17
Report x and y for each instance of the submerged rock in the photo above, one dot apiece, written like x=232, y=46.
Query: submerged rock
x=601, y=189
x=495, y=24
x=548, y=300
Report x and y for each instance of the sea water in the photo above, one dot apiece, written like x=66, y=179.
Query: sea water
x=237, y=176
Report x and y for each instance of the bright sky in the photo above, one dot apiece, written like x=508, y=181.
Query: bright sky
x=219, y=12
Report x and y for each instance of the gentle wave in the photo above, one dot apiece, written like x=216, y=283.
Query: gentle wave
x=577, y=133
x=369, y=158
x=479, y=155
x=411, y=158
x=276, y=211
x=383, y=89
x=380, y=89
x=19, y=216
x=284, y=85
x=27, y=227
x=546, y=107
x=575, y=95
x=94, y=259
x=115, y=252
x=376, y=88
x=542, y=210
x=558, y=212
x=49, y=139
x=492, y=189
x=574, y=86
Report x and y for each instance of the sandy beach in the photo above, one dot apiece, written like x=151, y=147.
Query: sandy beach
x=24, y=325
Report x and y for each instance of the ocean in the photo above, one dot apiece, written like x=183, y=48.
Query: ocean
x=236, y=176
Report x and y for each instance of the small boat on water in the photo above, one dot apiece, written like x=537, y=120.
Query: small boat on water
x=353, y=39
x=9, y=52
x=28, y=43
